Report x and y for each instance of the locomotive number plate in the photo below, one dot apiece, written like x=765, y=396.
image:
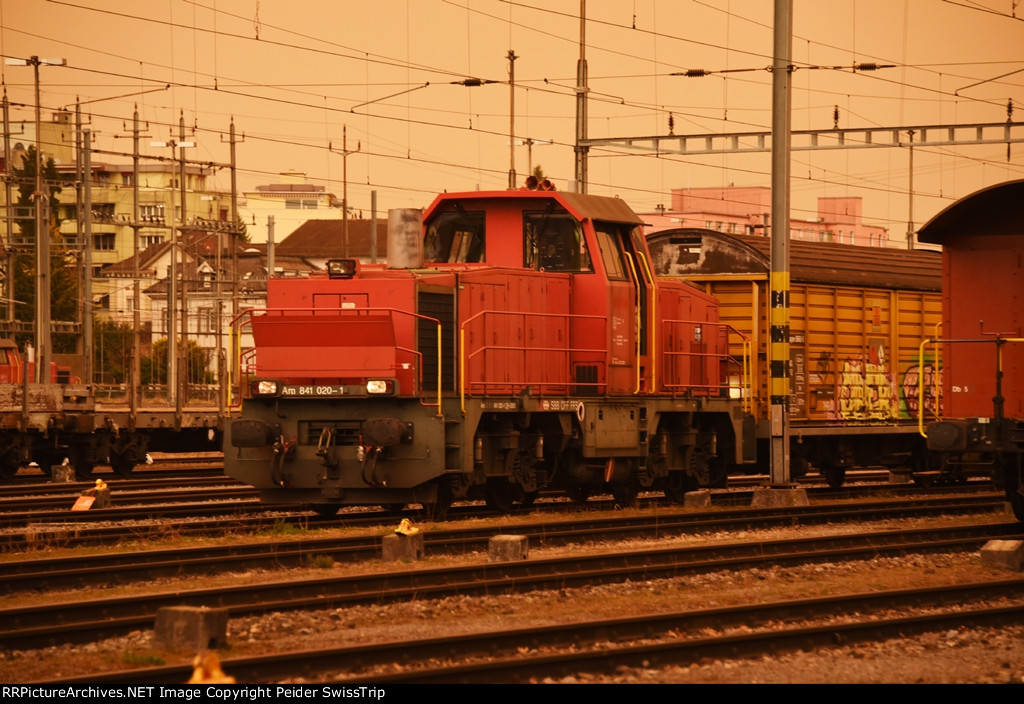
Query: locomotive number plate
x=313, y=390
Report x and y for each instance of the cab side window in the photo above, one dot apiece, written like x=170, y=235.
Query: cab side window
x=455, y=237
x=554, y=242
x=608, y=241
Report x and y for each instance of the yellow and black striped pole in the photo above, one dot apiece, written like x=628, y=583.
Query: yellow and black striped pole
x=778, y=318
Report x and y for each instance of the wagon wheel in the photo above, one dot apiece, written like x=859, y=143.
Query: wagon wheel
x=1016, y=500
x=10, y=463
x=83, y=470
x=798, y=466
x=625, y=494
x=529, y=498
x=834, y=475
x=124, y=463
x=82, y=463
x=499, y=495
x=1014, y=484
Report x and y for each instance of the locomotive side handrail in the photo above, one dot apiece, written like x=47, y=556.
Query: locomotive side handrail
x=246, y=318
x=744, y=366
x=465, y=355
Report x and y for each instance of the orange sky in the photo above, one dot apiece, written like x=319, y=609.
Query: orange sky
x=292, y=75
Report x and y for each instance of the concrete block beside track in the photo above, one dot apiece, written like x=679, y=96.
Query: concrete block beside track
x=396, y=547
x=1003, y=555
x=778, y=497
x=697, y=499
x=506, y=548
x=191, y=628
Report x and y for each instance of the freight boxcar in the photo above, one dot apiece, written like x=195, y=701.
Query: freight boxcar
x=857, y=317
x=982, y=338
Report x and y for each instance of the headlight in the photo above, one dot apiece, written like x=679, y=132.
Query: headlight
x=265, y=387
x=380, y=386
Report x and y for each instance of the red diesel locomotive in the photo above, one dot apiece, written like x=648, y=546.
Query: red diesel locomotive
x=982, y=339
x=516, y=341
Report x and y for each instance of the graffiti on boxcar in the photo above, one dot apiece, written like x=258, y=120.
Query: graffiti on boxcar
x=916, y=378
x=866, y=388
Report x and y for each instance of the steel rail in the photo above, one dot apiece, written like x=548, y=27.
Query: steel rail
x=598, y=646
x=90, y=619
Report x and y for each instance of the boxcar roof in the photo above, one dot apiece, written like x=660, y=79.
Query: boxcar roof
x=996, y=210
x=676, y=253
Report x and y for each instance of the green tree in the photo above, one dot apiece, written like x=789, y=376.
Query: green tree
x=154, y=366
x=63, y=270
x=243, y=231
x=112, y=345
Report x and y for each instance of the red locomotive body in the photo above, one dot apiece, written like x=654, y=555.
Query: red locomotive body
x=982, y=339
x=516, y=341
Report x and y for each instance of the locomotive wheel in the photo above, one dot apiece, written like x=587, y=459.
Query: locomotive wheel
x=529, y=498
x=625, y=495
x=437, y=510
x=498, y=494
x=578, y=494
x=923, y=480
x=326, y=510
x=679, y=484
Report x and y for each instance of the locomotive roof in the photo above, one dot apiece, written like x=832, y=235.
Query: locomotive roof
x=995, y=210
x=809, y=262
x=582, y=206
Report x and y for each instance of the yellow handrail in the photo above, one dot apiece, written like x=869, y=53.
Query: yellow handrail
x=652, y=287
x=637, y=325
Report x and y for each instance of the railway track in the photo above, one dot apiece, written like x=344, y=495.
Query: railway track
x=595, y=647
x=66, y=529
x=88, y=620
x=121, y=567
x=161, y=463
